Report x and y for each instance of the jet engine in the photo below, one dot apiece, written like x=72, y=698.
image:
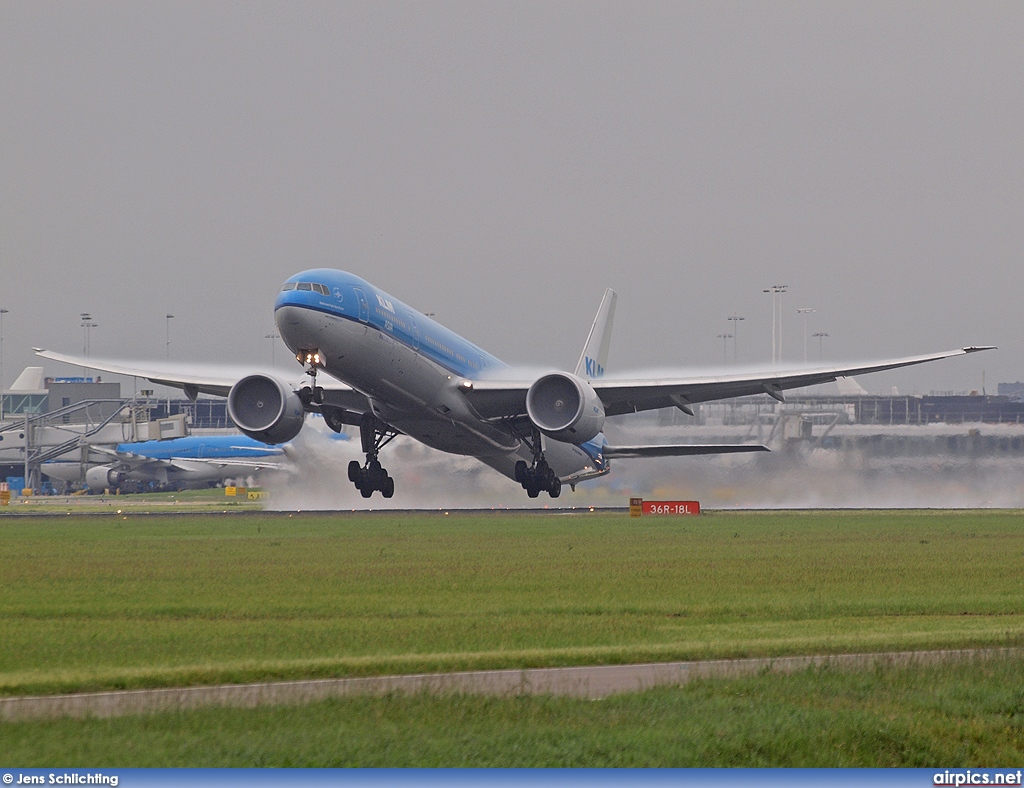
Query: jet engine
x=265, y=409
x=565, y=407
x=101, y=477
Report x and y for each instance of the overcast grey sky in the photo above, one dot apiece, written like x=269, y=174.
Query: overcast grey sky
x=499, y=165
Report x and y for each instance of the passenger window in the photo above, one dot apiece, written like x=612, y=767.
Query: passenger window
x=288, y=286
x=305, y=286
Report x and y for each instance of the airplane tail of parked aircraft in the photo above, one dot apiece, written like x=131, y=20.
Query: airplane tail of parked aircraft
x=594, y=358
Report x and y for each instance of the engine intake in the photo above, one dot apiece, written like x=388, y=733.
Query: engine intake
x=265, y=409
x=565, y=407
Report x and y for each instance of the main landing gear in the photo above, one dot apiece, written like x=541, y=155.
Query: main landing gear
x=372, y=477
x=538, y=477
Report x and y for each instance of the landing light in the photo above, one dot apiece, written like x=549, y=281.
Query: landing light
x=467, y=385
x=310, y=358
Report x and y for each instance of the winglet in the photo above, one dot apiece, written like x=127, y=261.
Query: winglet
x=978, y=348
x=594, y=358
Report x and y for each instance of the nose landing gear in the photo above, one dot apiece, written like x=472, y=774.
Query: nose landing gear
x=372, y=477
x=313, y=394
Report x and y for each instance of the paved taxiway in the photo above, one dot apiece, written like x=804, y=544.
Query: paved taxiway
x=581, y=682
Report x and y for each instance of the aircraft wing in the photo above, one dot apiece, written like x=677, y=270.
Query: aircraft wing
x=498, y=399
x=195, y=379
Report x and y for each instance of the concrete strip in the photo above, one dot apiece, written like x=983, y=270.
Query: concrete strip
x=580, y=682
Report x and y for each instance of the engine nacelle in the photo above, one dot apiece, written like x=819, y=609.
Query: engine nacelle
x=265, y=409
x=101, y=477
x=565, y=407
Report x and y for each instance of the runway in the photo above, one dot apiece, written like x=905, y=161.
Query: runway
x=580, y=682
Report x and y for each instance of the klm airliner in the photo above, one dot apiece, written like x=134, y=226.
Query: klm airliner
x=177, y=463
x=394, y=371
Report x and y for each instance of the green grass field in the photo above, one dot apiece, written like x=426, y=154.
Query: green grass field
x=131, y=601
x=966, y=714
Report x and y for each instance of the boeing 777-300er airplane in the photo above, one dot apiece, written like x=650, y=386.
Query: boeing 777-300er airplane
x=397, y=372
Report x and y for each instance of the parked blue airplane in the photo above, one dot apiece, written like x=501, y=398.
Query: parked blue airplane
x=177, y=463
x=395, y=371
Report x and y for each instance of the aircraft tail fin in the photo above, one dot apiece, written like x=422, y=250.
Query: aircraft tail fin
x=31, y=379
x=594, y=358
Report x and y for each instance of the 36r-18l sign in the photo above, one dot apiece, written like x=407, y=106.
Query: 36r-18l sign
x=671, y=507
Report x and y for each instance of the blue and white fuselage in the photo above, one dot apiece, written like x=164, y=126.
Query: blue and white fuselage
x=193, y=461
x=399, y=372
x=412, y=370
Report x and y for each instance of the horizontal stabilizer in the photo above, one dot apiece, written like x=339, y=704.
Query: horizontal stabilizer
x=680, y=449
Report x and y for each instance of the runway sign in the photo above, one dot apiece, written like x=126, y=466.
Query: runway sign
x=670, y=507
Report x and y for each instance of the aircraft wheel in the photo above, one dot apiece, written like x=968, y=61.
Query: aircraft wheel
x=556, y=487
x=376, y=476
x=366, y=491
x=354, y=471
x=389, y=487
x=533, y=491
x=522, y=472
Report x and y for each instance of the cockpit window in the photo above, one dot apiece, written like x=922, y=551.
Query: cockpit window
x=315, y=287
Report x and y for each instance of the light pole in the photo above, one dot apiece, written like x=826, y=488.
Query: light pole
x=776, y=291
x=273, y=338
x=2, y=313
x=805, y=312
x=725, y=347
x=735, y=335
x=821, y=338
x=86, y=325
x=167, y=322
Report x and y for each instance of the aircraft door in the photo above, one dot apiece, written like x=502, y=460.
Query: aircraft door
x=364, y=306
x=414, y=330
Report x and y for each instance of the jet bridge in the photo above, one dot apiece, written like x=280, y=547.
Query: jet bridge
x=34, y=438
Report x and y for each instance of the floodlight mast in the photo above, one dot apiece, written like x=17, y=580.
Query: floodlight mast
x=167, y=321
x=821, y=338
x=777, y=291
x=87, y=324
x=725, y=347
x=2, y=313
x=805, y=312
x=273, y=337
x=735, y=319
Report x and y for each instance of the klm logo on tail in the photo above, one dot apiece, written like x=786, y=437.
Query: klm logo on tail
x=595, y=350
x=593, y=369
